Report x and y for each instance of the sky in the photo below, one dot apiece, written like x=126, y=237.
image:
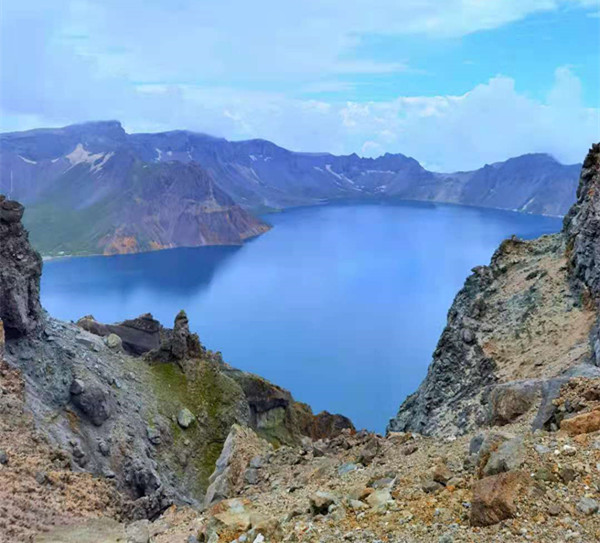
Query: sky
x=455, y=83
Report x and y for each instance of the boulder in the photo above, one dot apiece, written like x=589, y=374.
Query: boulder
x=320, y=502
x=587, y=506
x=92, y=400
x=495, y=498
x=585, y=423
x=241, y=446
x=91, y=325
x=369, y=451
x=185, y=418
x=139, y=335
x=509, y=401
x=509, y=456
x=114, y=342
x=20, y=272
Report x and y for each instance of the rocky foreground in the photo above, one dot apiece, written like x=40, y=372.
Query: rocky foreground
x=135, y=432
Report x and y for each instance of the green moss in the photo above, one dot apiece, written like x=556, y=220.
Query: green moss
x=213, y=398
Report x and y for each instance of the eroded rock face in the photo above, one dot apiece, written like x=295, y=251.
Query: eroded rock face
x=582, y=226
x=20, y=272
x=139, y=335
x=241, y=447
x=494, y=362
x=495, y=498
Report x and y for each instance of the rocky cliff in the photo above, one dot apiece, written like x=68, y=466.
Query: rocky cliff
x=143, y=406
x=519, y=329
x=20, y=270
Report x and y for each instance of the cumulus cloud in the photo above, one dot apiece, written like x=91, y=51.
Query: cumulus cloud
x=491, y=122
x=204, y=66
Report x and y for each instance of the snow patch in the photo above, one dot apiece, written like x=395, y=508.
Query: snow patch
x=253, y=158
x=98, y=165
x=27, y=160
x=80, y=155
x=341, y=177
x=158, y=154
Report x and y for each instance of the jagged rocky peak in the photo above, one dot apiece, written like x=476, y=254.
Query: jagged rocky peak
x=582, y=225
x=20, y=272
x=518, y=330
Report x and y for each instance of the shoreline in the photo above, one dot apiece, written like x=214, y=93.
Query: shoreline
x=374, y=201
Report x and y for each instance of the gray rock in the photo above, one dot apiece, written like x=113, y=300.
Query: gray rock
x=138, y=532
x=113, y=341
x=77, y=387
x=320, y=502
x=587, y=506
x=430, y=487
x=3, y=457
x=185, y=418
x=94, y=402
x=509, y=456
x=348, y=467
x=153, y=434
x=509, y=401
x=251, y=476
x=20, y=271
x=475, y=443
x=369, y=451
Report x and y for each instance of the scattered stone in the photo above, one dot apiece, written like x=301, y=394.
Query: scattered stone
x=431, y=486
x=320, y=502
x=554, y=510
x=567, y=474
x=114, y=342
x=587, y=506
x=494, y=498
x=77, y=387
x=441, y=474
x=509, y=456
x=369, y=451
x=153, y=434
x=251, y=476
x=185, y=418
x=348, y=467
x=3, y=457
x=584, y=423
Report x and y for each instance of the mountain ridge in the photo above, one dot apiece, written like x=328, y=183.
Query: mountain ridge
x=46, y=167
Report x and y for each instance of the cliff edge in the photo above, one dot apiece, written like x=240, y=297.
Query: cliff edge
x=518, y=329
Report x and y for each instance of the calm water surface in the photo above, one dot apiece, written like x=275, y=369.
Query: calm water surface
x=343, y=305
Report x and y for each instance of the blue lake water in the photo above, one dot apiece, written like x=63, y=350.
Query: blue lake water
x=342, y=305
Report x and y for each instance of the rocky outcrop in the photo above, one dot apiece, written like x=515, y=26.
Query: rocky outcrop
x=138, y=336
x=241, y=447
x=145, y=406
x=518, y=330
x=20, y=272
x=582, y=227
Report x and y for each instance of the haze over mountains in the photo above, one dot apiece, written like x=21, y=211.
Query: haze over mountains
x=92, y=188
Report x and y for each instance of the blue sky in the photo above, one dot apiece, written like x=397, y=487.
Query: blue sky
x=455, y=84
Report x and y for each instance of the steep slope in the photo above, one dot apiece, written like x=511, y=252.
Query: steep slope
x=139, y=207
x=145, y=406
x=519, y=328
x=70, y=174
x=94, y=195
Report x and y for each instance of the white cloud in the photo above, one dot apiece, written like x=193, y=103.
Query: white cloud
x=155, y=65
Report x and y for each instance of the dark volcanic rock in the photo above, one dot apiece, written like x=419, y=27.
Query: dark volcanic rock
x=20, y=271
x=582, y=226
x=459, y=371
x=178, y=344
x=139, y=335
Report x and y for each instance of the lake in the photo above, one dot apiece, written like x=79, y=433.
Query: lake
x=342, y=305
